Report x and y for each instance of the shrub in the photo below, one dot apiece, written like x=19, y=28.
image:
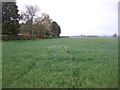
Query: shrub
x=54, y=36
x=22, y=37
x=50, y=36
x=5, y=37
x=14, y=37
x=40, y=36
x=25, y=37
x=46, y=36
x=33, y=37
x=64, y=36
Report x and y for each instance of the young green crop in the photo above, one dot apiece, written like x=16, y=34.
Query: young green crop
x=64, y=62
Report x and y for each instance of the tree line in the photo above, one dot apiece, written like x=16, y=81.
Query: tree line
x=28, y=21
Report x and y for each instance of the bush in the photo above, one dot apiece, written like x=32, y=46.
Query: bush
x=46, y=36
x=22, y=37
x=50, y=36
x=25, y=37
x=40, y=36
x=5, y=37
x=33, y=37
x=13, y=37
x=64, y=36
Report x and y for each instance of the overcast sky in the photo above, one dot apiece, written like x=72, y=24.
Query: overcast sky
x=76, y=17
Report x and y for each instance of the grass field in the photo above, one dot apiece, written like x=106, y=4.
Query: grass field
x=65, y=62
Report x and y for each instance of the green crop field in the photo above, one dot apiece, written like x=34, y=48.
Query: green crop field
x=64, y=62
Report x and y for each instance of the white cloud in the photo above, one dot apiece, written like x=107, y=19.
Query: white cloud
x=78, y=17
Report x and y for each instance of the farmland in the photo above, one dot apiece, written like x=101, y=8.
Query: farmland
x=64, y=62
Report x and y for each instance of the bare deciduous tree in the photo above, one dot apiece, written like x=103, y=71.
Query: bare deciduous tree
x=47, y=22
x=29, y=15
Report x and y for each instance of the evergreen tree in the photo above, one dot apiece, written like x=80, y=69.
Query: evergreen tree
x=10, y=18
x=59, y=30
x=115, y=35
x=55, y=29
